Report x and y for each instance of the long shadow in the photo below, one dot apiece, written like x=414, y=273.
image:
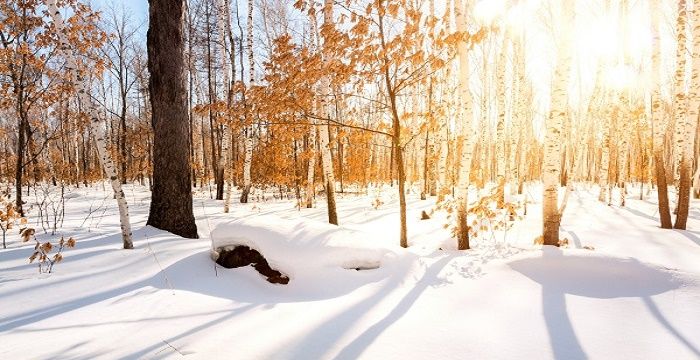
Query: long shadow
x=654, y=310
x=134, y=321
x=180, y=274
x=690, y=235
x=640, y=214
x=355, y=349
x=560, y=275
x=316, y=344
x=141, y=353
x=562, y=337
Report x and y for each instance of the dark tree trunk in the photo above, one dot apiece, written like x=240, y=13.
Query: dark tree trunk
x=122, y=141
x=171, y=202
x=683, y=195
x=19, y=168
x=662, y=191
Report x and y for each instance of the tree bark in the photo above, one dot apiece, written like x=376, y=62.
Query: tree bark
x=468, y=135
x=171, y=201
x=552, y=141
x=690, y=126
x=83, y=92
x=248, y=160
x=657, y=121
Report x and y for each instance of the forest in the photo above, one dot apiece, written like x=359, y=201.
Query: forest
x=342, y=179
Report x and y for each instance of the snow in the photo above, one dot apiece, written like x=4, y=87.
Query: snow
x=302, y=249
x=636, y=295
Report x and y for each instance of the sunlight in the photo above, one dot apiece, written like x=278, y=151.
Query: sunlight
x=599, y=39
x=487, y=11
x=621, y=77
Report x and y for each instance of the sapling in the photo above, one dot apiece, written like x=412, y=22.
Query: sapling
x=42, y=251
x=485, y=215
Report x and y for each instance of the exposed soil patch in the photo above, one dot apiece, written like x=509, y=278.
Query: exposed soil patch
x=243, y=256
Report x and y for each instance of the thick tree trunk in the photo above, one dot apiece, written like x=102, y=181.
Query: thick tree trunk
x=171, y=202
x=552, y=141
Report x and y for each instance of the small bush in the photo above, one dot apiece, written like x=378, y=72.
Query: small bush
x=42, y=251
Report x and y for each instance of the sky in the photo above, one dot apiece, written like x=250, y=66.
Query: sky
x=138, y=8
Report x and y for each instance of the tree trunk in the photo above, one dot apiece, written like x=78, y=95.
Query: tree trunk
x=657, y=121
x=690, y=127
x=324, y=140
x=171, y=202
x=310, y=189
x=552, y=142
x=222, y=23
x=501, y=123
x=468, y=135
x=248, y=160
x=83, y=92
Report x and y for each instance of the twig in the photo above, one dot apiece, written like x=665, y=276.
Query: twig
x=174, y=348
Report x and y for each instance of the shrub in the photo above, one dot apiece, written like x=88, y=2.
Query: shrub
x=42, y=251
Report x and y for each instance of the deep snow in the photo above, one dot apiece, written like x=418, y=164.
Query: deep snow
x=636, y=296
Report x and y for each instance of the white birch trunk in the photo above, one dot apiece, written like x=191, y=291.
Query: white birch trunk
x=326, y=157
x=689, y=126
x=248, y=145
x=552, y=142
x=517, y=117
x=442, y=189
x=468, y=133
x=501, y=121
x=680, y=97
x=83, y=93
x=605, y=156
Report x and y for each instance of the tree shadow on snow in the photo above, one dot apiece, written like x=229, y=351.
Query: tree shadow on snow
x=593, y=277
x=692, y=236
x=323, y=337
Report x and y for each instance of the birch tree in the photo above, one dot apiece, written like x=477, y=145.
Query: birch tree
x=689, y=125
x=658, y=112
x=551, y=167
x=248, y=160
x=468, y=134
x=323, y=135
x=82, y=87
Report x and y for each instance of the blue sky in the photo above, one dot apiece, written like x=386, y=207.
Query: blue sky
x=138, y=8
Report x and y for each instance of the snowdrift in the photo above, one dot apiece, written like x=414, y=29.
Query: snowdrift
x=302, y=248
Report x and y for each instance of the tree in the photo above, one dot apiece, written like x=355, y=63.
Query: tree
x=688, y=126
x=248, y=160
x=83, y=92
x=323, y=134
x=551, y=168
x=171, y=201
x=468, y=134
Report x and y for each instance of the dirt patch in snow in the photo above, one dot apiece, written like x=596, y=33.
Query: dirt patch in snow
x=242, y=255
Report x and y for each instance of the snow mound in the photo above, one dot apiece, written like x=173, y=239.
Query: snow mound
x=301, y=248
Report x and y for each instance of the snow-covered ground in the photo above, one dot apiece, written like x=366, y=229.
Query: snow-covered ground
x=635, y=296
